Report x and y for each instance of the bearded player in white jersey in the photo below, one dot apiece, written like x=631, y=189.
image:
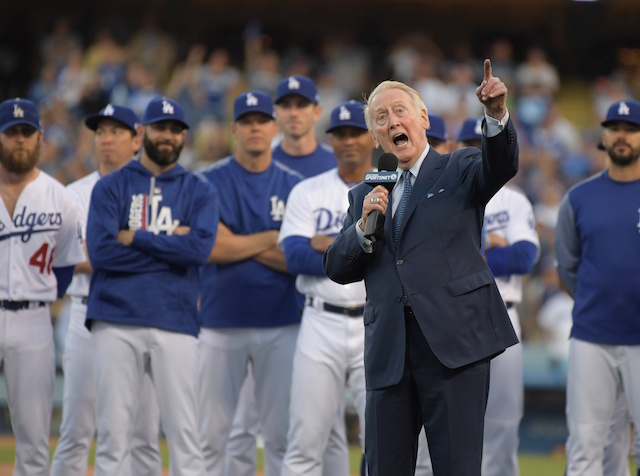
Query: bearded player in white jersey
x=330, y=348
x=37, y=216
x=117, y=139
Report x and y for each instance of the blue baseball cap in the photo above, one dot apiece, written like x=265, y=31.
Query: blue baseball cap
x=437, y=129
x=19, y=111
x=471, y=130
x=626, y=111
x=252, y=101
x=300, y=85
x=163, y=109
x=350, y=113
x=121, y=114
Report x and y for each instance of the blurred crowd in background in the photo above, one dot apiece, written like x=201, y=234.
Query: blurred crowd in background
x=76, y=78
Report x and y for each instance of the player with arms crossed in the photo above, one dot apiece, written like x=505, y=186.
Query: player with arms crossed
x=40, y=242
x=297, y=110
x=116, y=140
x=330, y=348
x=250, y=310
x=151, y=225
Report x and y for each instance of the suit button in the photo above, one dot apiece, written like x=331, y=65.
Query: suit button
x=398, y=298
x=400, y=262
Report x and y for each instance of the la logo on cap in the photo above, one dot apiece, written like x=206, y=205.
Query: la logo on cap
x=17, y=111
x=478, y=128
x=109, y=110
x=252, y=100
x=623, y=109
x=293, y=83
x=344, y=114
x=167, y=107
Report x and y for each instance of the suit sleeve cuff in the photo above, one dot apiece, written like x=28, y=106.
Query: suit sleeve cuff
x=493, y=126
x=365, y=244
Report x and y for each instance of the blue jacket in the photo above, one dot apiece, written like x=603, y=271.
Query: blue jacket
x=154, y=282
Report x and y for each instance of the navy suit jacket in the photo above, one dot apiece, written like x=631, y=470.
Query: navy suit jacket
x=438, y=262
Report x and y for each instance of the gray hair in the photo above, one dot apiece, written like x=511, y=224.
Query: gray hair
x=417, y=100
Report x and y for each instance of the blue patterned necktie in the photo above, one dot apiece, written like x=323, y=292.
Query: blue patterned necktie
x=397, y=217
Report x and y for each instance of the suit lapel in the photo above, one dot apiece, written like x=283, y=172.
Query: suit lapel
x=432, y=167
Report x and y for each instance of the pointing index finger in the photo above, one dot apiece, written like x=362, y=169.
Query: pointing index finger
x=487, y=70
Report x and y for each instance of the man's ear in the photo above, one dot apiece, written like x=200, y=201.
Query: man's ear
x=375, y=140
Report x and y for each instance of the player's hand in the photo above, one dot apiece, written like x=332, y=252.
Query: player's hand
x=321, y=242
x=376, y=199
x=182, y=230
x=126, y=237
x=493, y=240
x=492, y=93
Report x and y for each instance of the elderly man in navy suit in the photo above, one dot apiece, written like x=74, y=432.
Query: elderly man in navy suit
x=433, y=317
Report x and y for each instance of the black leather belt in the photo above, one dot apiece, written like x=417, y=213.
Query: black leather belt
x=84, y=300
x=345, y=311
x=19, y=305
x=509, y=304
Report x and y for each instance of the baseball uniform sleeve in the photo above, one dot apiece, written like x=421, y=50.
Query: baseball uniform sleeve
x=69, y=249
x=516, y=258
x=523, y=250
x=298, y=227
x=567, y=245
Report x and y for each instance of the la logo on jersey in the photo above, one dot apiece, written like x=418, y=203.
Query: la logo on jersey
x=18, y=111
x=146, y=213
x=28, y=223
x=277, y=208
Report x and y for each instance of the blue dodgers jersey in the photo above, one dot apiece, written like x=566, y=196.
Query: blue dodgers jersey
x=153, y=282
x=248, y=293
x=607, y=296
x=320, y=160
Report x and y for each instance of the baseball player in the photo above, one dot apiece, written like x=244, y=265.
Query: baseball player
x=151, y=225
x=597, y=245
x=330, y=348
x=250, y=310
x=512, y=248
x=297, y=111
x=116, y=142
x=37, y=216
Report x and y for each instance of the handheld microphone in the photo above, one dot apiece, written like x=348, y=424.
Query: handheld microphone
x=387, y=176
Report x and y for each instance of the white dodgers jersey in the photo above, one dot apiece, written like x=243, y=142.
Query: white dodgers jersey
x=318, y=206
x=80, y=191
x=510, y=215
x=43, y=233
